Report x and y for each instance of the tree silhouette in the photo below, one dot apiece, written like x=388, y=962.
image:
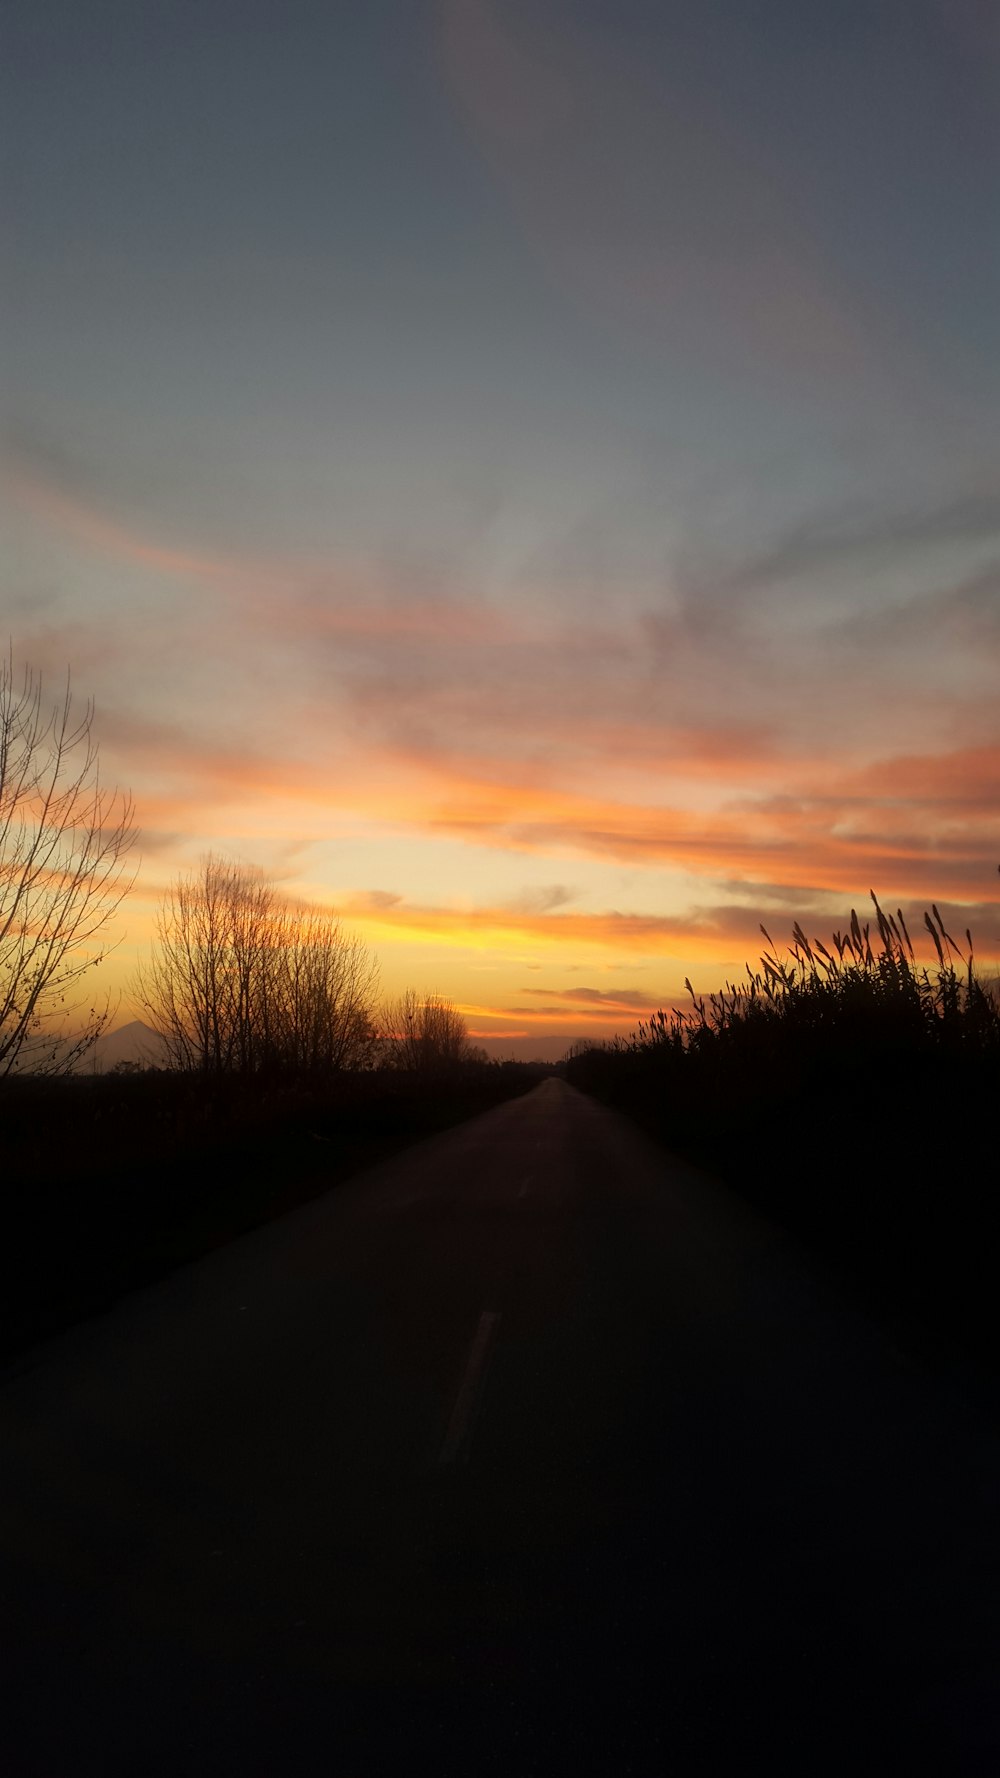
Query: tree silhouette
x=242, y=980
x=64, y=843
x=425, y=1035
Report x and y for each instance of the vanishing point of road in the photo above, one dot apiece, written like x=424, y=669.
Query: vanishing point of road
x=529, y=1451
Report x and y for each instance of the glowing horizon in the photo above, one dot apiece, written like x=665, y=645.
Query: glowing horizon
x=562, y=532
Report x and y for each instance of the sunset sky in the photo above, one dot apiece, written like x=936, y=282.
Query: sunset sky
x=525, y=472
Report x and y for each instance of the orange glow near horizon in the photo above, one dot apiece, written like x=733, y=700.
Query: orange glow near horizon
x=402, y=759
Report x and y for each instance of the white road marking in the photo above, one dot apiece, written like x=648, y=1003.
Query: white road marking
x=526, y=1181
x=469, y=1395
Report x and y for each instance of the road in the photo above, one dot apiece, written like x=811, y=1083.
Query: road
x=529, y=1451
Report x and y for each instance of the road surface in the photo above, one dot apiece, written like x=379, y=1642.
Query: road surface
x=530, y=1451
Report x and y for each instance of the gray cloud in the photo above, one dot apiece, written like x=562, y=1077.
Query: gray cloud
x=621, y=998
x=966, y=613
x=855, y=537
x=542, y=900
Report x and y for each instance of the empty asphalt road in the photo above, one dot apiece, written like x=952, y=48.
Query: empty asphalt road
x=530, y=1451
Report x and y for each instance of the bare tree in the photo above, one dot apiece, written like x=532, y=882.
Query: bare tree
x=425, y=1035
x=325, y=981
x=241, y=980
x=191, y=987
x=64, y=845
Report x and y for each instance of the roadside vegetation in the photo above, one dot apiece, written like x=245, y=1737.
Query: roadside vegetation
x=849, y=1089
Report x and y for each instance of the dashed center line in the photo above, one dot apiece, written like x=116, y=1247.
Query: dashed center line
x=467, y=1401
x=526, y=1181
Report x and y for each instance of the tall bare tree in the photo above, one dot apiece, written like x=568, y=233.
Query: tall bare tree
x=241, y=980
x=64, y=846
x=325, y=980
x=189, y=989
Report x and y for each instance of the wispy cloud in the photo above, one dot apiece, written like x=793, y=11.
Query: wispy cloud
x=377, y=901
x=543, y=900
x=85, y=522
x=627, y=1000
x=859, y=537
x=310, y=597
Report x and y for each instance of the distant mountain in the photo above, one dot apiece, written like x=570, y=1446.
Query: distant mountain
x=134, y=1042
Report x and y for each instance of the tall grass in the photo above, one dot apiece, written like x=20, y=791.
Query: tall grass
x=849, y=1088
x=863, y=988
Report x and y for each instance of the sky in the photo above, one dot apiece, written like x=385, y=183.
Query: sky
x=525, y=474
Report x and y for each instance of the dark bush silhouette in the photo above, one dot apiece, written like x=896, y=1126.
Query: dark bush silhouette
x=849, y=1090
x=425, y=1036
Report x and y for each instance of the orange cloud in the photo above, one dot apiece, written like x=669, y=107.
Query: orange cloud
x=508, y=929
x=89, y=525
x=712, y=936
x=540, y=758
x=837, y=838
x=911, y=826
x=965, y=781
x=624, y=1000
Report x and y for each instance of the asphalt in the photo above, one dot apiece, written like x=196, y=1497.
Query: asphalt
x=530, y=1451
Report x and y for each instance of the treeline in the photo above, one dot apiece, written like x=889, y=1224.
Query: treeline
x=849, y=1090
